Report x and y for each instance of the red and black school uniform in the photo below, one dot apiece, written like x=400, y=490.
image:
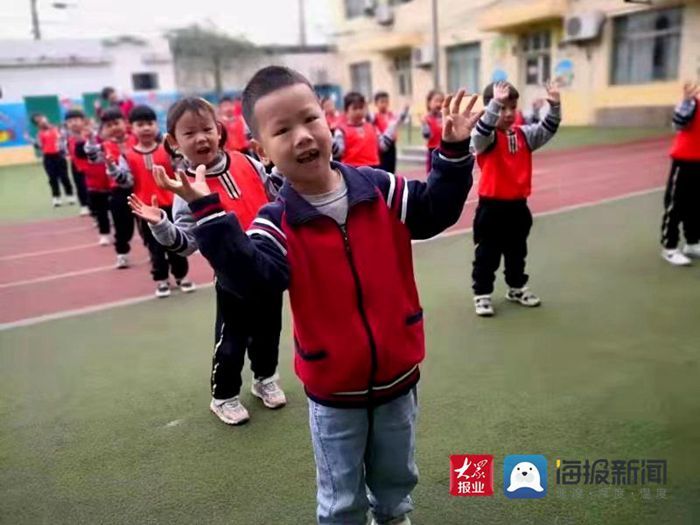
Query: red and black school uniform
x=387, y=158
x=119, y=191
x=140, y=164
x=682, y=197
x=254, y=323
x=432, y=132
x=361, y=144
x=97, y=182
x=50, y=142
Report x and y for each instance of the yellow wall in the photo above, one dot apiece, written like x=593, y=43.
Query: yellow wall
x=17, y=155
x=460, y=22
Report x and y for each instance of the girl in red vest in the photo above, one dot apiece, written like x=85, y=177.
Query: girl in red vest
x=431, y=126
x=683, y=188
x=243, y=186
x=236, y=131
x=51, y=143
x=382, y=119
x=356, y=142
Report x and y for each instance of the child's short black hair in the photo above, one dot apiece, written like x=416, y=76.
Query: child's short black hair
x=111, y=114
x=196, y=105
x=265, y=81
x=380, y=95
x=142, y=112
x=74, y=113
x=353, y=99
x=513, y=94
x=106, y=92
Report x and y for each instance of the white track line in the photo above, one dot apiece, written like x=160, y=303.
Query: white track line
x=57, y=276
x=135, y=300
x=86, y=310
x=49, y=252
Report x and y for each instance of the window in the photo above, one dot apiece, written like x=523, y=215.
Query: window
x=144, y=81
x=402, y=68
x=361, y=78
x=463, y=65
x=354, y=8
x=536, y=57
x=646, y=46
x=398, y=2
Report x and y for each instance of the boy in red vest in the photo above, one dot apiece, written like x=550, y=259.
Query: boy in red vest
x=51, y=142
x=138, y=162
x=339, y=238
x=683, y=188
x=431, y=125
x=356, y=141
x=503, y=220
x=237, y=138
x=382, y=119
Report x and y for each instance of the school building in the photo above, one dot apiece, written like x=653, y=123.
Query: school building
x=620, y=62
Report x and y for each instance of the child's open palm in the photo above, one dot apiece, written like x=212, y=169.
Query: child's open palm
x=553, y=94
x=189, y=191
x=151, y=214
x=458, y=125
x=501, y=91
x=690, y=90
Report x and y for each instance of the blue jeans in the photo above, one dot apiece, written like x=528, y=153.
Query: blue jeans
x=361, y=466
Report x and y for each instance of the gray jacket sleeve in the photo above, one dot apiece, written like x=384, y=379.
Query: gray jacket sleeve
x=176, y=236
x=271, y=181
x=483, y=133
x=537, y=135
x=121, y=173
x=684, y=113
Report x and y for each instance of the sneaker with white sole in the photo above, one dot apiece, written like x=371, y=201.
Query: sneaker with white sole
x=403, y=520
x=84, y=211
x=269, y=391
x=186, y=286
x=523, y=296
x=71, y=200
x=56, y=202
x=230, y=411
x=483, y=306
x=163, y=289
x=104, y=240
x=122, y=261
x=692, y=250
x=675, y=257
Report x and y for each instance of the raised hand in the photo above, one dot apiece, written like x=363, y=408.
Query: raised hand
x=458, y=126
x=690, y=90
x=189, y=191
x=553, y=95
x=501, y=91
x=151, y=214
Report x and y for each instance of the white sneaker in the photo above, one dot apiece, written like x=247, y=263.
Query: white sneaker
x=675, y=257
x=186, y=286
x=398, y=521
x=230, y=411
x=84, y=211
x=523, y=296
x=104, y=240
x=122, y=261
x=163, y=289
x=269, y=391
x=483, y=306
x=56, y=201
x=71, y=200
x=692, y=250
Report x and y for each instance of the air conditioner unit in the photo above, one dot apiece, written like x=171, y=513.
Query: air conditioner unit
x=384, y=15
x=583, y=26
x=422, y=56
x=369, y=7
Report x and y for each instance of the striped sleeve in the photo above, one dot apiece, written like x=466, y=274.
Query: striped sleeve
x=537, y=135
x=264, y=227
x=684, y=113
x=483, y=133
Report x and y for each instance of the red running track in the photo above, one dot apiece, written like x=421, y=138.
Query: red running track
x=50, y=267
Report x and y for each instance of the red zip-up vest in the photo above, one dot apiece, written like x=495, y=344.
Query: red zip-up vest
x=686, y=143
x=435, y=124
x=239, y=186
x=361, y=144
x=141, y=166
x=506, y=167
x=49, y=140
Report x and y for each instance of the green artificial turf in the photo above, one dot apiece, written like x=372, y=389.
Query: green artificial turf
x=104, y=418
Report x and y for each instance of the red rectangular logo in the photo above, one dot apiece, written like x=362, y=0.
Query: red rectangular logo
x=471, y=475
